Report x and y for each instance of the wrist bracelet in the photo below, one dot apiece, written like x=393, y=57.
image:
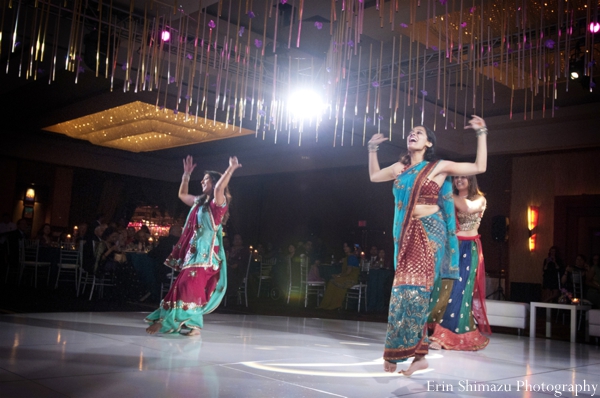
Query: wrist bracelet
x=482, y=130
x=373, y=147
x=186, y=176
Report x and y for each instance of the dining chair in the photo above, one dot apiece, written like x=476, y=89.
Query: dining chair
x=69, y=262
x=310, y=287
x=577, y=278
x=99, y=279
x=266, y=265
x=243, y=289
x=29, y=251
x=360, y=290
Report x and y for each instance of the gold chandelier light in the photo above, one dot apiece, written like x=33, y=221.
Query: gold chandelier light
x=231, y=66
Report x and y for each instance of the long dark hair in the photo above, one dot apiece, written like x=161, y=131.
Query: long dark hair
x=429, y=152
x=472, y=189
x=214, y=177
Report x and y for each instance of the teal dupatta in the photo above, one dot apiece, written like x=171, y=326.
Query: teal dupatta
x=406, y=191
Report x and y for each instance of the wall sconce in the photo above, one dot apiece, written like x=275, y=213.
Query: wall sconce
x=29, y=197
x=533, y=213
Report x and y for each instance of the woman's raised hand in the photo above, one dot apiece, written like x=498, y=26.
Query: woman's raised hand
x=188, y=165
x=476, y=123
x=377, y=139
x=234, y=164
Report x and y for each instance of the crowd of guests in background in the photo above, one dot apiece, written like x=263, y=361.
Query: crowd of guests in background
x=561, y=282
x=104, y=244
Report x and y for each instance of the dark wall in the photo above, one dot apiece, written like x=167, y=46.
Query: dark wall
x=287, y=208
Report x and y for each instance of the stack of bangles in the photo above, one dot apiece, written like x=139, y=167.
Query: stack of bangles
x=482, y=130
x=373, y=147
x=186, y=176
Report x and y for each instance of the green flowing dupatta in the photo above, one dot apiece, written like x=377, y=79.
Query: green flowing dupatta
x=174, y=314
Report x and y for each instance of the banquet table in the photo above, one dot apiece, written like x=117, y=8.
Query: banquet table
x=378, y=288
x=145, y=269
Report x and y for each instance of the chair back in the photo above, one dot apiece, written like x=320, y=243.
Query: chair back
x=266, y=265
x=70, y=256
x=28, y=250
x=365, y=265
x=250, y=258
x=303, y=270
x=577, y=284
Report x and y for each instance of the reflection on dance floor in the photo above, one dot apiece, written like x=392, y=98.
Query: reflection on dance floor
x=108, y=354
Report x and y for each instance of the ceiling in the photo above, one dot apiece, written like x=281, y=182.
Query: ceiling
x=438, y=65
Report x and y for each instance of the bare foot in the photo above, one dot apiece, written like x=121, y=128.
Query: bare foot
x=389, y=367
x=190, y=333
x=154, y=328
x=419, y=363
x=435, y=345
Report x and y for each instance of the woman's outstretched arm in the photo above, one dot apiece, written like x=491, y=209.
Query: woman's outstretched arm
x=224, y=180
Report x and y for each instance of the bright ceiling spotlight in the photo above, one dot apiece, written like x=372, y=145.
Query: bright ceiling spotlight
x=306, y=104
x=574, y=75
x=594, y=27
x=165, y=35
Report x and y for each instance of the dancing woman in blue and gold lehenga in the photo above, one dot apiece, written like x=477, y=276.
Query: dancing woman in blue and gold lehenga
x=424, y=248
x=424, y=231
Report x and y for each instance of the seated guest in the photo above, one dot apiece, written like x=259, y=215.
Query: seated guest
x=373, y=256
x=12, y=241
x=99, y=231
x=106, y=249
x=593, y=282
x=46, y=252
x=110, y=259
x=313, y=272
x=81, y=233
x=380, y=261
x=99, y=221
x=6, y=226
x=580, y=268
x=340, y=283
x=45, y=235
x=141, y=237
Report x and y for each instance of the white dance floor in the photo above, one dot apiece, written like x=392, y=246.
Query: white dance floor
x=110, y=355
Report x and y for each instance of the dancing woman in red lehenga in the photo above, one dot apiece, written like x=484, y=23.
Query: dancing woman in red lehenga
x=199, y=255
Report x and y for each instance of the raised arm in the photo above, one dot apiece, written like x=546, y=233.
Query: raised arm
x=449, y=168
x=224, y=180
x=188, y=167
x=377, y=174
x=465, y=205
